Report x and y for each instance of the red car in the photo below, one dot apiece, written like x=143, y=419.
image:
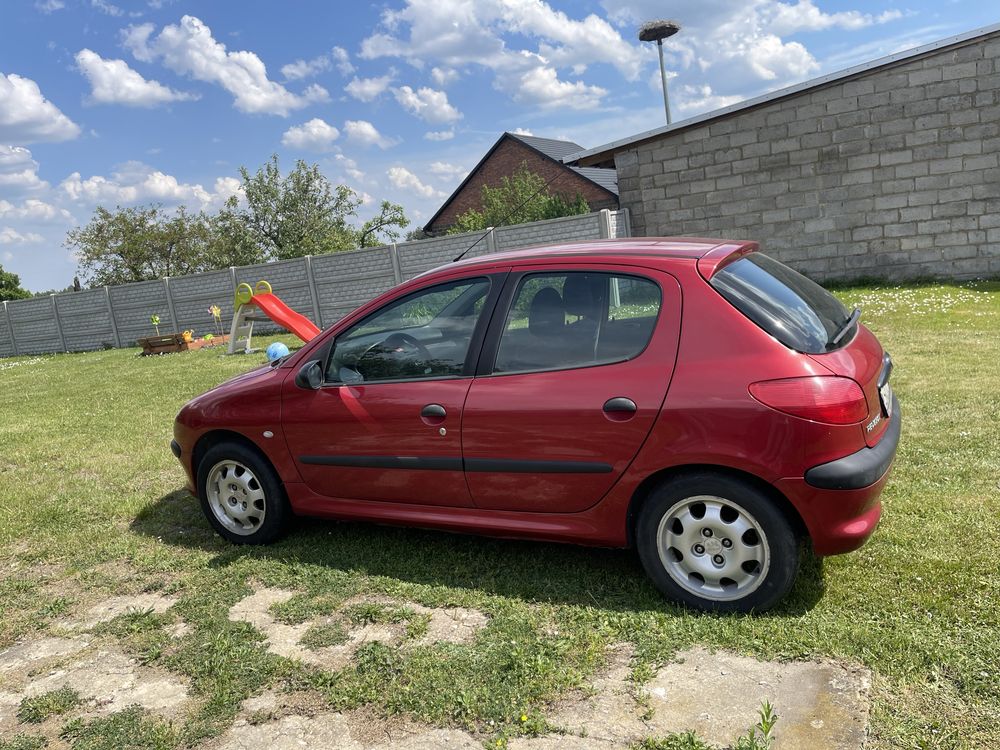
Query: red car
x=690, y=397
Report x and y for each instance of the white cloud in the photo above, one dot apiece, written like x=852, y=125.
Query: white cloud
x=34, y=210
x=18, y=171
x=315, y=135
x=135, y=181
x=107, y=8
x=114, y=82
x=427, y=104
x=444, y=76
x=492, y=33
x=363, y=132
x=693, y=99
x=787, y=19
x=439, y=135
x=9, y=236
x=445, y=170
x=190, y=49
x=368, y=89
x=343, y=60
x=404, y=179
x=28, y=117
x=541, y=86
x=525, y=131
x=305, y=68
x=49, y=6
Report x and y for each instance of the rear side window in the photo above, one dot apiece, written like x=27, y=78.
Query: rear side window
x=798, y=312
x=564, y=320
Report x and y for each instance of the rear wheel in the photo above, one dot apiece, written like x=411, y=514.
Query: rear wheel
x=717, y=543
x=241, y=495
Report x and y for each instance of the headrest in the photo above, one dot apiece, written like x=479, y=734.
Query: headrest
x=583, y=294
x=546, y=316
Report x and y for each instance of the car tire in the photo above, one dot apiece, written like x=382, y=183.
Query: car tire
x=241, y=495
x=717, y=543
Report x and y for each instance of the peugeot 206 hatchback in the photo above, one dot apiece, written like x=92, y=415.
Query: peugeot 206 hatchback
x=692, y=398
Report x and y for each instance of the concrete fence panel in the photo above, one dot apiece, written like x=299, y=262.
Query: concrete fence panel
x=85, y=320
x=193, y=295
x=133, y=304
x=423, y=255
x=34, y=326
x=566, y=229
x=345, y=280
x=6, y=344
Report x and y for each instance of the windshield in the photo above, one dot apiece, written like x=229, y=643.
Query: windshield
x=798, y=312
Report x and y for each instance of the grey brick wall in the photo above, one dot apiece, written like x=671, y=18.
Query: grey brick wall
x=323, y=288
x=892, y=173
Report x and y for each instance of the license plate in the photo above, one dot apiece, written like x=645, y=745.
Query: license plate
x=885, y=394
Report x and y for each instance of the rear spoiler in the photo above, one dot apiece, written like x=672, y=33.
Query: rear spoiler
x=721, y=256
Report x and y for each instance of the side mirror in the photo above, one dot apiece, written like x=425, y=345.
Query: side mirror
x=310, y=376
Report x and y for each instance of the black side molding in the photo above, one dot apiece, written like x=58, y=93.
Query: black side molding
x=431, y=463
x=175, y=448
x=862, y=468
x=450, y=463
x=517, y=466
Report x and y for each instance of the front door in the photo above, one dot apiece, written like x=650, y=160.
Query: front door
x=386, y=425
x=579, y=368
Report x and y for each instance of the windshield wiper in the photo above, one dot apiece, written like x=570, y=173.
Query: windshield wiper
x=846, y=326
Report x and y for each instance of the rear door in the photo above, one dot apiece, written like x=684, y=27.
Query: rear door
x=574, y=372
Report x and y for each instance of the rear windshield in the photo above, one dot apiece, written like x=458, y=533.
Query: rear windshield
x=798, y=312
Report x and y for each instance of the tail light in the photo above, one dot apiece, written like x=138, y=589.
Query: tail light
x=823, y=398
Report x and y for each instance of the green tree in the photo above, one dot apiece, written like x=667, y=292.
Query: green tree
x=519, y=198
x=302, y=213
x=141, y=243
x=10, y=286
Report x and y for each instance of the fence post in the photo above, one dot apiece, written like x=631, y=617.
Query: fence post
x=604, y=223
x=111, y=317
x=397, y=269
x=170, y=305
x=491, y=241
x=59, y=330
x=317, y=313
x=628, y=222
x=10, y=327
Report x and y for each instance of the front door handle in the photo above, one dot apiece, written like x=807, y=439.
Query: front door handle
x=433, y=413
x=619, y=406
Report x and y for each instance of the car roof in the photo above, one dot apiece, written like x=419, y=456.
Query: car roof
x=637, y=248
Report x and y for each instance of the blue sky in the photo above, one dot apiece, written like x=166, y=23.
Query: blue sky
x=122, y=103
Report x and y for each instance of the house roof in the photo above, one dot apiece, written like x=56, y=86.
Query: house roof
x=604, y=155
x=556, y=151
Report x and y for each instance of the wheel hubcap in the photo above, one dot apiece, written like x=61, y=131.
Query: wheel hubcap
x=236, y=497
x=713, y=548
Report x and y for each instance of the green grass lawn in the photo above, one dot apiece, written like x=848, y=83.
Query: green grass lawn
x=92, y=503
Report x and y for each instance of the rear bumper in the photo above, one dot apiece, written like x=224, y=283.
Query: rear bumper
x=840, y=504
x=863, y=468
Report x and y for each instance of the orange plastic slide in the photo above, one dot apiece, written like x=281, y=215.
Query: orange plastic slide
x=285, y=316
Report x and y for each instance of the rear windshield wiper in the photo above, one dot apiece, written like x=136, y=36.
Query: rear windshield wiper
x=846, y=326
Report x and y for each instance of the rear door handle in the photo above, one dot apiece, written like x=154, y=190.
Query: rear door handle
x=619, y=405
x=433, y=411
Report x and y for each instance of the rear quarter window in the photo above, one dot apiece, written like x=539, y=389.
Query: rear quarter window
x=796, y=311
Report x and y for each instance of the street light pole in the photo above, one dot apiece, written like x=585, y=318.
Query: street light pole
x=657, y=31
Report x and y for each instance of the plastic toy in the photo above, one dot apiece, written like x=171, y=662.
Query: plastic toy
x=276, y=350
x=251, y=299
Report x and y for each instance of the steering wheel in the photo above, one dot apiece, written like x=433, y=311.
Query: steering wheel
x=396, y=344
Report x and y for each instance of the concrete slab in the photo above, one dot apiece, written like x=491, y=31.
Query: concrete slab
x=111, y=608
x=819, y=704
x=28, y=654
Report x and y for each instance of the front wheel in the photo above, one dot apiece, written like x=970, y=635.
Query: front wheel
x=717, y=543
x=241, y=495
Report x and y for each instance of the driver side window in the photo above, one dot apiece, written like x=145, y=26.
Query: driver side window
x=423, y=335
